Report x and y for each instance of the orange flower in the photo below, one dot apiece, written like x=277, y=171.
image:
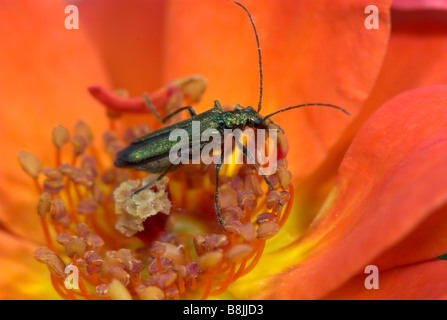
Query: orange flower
x=369, y=190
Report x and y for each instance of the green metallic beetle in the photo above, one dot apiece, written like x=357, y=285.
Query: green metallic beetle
x=151, y=152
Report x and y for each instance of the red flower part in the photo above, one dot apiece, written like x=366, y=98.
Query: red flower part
x=116, y=103
x=172, y=95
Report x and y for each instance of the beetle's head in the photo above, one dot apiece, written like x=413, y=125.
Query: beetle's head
x=251, y=117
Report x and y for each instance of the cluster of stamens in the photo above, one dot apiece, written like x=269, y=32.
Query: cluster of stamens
x=141, y=247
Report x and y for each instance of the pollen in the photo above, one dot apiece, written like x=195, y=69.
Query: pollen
x=132, y=211
x=162, y=243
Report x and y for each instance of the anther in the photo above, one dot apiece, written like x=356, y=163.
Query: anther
x=267, y=230
x=150, y=293
x=60, y=136
x=238, y=252
x=59, y=212
x=167, y=279
x=102, y=289
x=30, y=164
x=117, y=291
x=83, y=129
x=54, y=182
x=86, y=206
x=192, y=270
x=265, y=216
x=233, y=226
x=210, y=259
x=52, y=260
x=246, y=199
x=75, y=247
x=248, y=232
x=63, y=238
x=79, y=144
x=44, y=204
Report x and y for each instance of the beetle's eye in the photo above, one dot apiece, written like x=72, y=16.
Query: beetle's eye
x=257, y=122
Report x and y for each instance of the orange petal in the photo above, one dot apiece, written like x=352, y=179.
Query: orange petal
x=21, y=276
x=45, y=71
x=422, y=281
x=391, y=180
x=417, y=47
x=130, y=37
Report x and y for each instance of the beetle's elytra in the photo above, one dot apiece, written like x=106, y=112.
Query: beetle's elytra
x=151, y=152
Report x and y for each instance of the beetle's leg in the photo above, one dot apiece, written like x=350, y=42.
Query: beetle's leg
x=250, y=156
x=217, y=105
x=191, y=111
x=148, y=102
x=152, y=182
x=216, y=193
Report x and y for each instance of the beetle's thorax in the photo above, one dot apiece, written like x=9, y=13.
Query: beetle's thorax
x=240, y=118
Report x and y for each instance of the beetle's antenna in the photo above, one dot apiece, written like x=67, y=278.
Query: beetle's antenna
x=259, y=54
x=306, y=105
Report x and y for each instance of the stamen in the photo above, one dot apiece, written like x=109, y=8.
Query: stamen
x=79, y=145
x=117, y=291
x=83, y=130
x=209, y=260
x=286, y=213
x=135, y=247
x=43, y=206
x=226, y=283
x=30, y=164
x=150, y=293
x=258, y=249
x=267, y=230
x=54, y=263
x=54, y=181
x=60, y=136
x=75, y=247
x=238, y=252
x=208, y=284
x=248, y=232
x=59, y=212
x=246, y=199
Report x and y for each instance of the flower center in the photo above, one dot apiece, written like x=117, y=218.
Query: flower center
x=163, y=243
